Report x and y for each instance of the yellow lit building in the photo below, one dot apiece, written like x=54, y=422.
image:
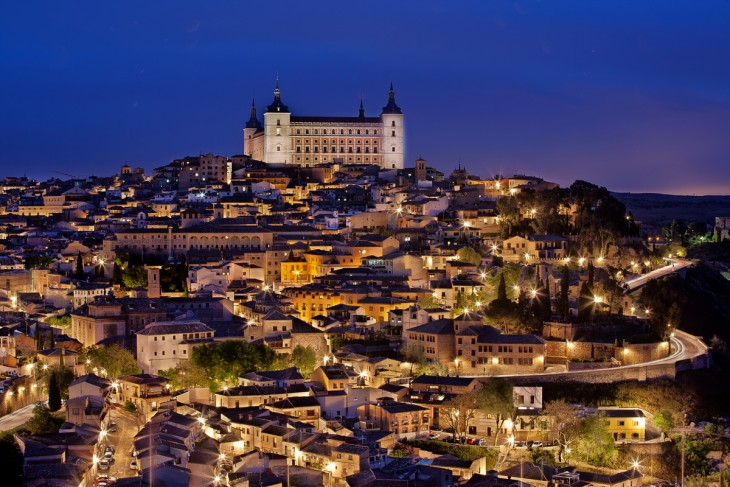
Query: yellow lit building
x=625, y=423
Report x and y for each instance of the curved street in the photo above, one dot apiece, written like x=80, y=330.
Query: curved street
x=674, y=265
x=684, y=346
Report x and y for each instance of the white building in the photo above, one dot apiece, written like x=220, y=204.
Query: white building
x=162, y=345
x=308, y=141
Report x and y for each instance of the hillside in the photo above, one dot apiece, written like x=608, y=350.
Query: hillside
x=659, y=209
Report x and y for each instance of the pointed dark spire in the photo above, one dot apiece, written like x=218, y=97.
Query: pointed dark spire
x=253, y=121
x=361, y=113
x=391, y=107
x=277, y=105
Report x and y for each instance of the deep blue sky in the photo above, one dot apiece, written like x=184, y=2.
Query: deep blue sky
x=633, y=95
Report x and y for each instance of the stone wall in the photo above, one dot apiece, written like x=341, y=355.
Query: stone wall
x=603, y=376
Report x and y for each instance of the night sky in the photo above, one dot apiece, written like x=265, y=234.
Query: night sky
x=633, y=95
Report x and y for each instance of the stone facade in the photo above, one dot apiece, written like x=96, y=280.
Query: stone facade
x=308, y=141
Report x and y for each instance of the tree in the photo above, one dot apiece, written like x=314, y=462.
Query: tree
x=561, y=303
x=468, y=254
x=304, y=358
x=459, y=412
x=134, y=276
x=595, y=444
x=664, y=301
x=115, y=360
x=564, y=424
x=506, y=315
x=585, y=304
x=79, y=267
x=675, y=231
x=185, y=376
x=54, y=393
x=509, y=214
x=502, y=288
x=38, y=261
x=38, y=338
x=225, y=362
x=664, y=421
x=43, y=421
x=496, y=398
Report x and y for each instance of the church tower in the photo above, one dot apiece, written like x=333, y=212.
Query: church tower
x=153, y=281
x=252, y=127
x=420, y=169
x=277, y=130
x=393, y=133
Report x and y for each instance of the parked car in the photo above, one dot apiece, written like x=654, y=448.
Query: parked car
x=433, y=436
x=109, y=448
x=133, y=465
x=112, y=427
x=104, y=464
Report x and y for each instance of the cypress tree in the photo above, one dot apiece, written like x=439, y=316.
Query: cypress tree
x=53, y=340
x=54, y=393
x=585, y=304
x=60, y=360
x=591, y=275
x=561, y=304
x=502, y=288
x=37, y=336
x=79, y=267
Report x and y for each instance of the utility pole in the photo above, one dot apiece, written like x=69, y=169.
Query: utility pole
x=682, y=481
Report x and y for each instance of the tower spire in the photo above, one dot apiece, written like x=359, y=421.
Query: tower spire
x=391, y=107
x=361, y=113
x=253, y=121
x=277, y=105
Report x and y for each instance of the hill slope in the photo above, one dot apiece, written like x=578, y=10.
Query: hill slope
x=659, y=209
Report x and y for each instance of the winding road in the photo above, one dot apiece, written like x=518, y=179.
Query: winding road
x=674, y=265
x=684, y=347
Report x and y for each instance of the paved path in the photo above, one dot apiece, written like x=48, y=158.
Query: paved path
x=684, y=346
x=674, y=265
x=16, y=418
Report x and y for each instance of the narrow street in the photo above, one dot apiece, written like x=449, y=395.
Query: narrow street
x=122, y=441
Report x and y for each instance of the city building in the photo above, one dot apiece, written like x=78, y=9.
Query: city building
x=311, y=140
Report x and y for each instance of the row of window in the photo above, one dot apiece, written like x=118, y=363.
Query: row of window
x=334, y=150
x=342, y=131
